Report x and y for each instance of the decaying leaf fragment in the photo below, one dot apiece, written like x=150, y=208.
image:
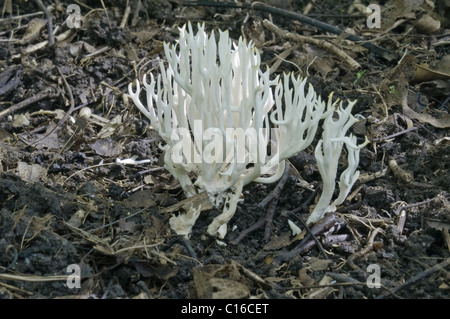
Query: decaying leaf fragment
x=34, y=28
x=230, y=281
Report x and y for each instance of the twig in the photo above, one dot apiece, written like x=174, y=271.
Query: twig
x=277, y=190
x=381, y=139
x=321, y=226
x=14, y=258
x=40, y=96
x=275, y=193
x=365, y=250
x=400, y=208
x=23, y=16
x=247, y=231
x=419, y=276
x=33, y=278
x=43, y=44
x=51, y=38
x=269, y=218
x=320, y=43
x=441, y=107
x=66, y=116
x=379, y=51
x=126, y=14
x=313, y=236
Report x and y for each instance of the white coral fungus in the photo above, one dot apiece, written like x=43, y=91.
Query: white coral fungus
x=225, y=122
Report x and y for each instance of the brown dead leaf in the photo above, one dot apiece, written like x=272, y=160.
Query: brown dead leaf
x=76, y=220
x=210, y=282
x=424, y=73
x=143, y=198
x=436, y=70
x=427, y=24
x=443, y=121
x=106, y=147
x=305, y=279
x=323, y=66
x=5, y=136
x=438, y=224
x=112, y=127
x=162, y=272
x=278, y=242
x=30, y=173
x=193, y=201
x=144, y=36
x=228, y=289
x=319, y=264
x=33, y=29
x=322, y=293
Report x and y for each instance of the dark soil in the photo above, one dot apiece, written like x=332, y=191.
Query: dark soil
x=65, y=200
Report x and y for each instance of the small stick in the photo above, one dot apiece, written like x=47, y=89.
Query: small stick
x=365, y=250
x=126, y=14
x=321, y=226
x=311, y=234
x=42, y=95
x=23, y=16
x=247, y=231
x=381, y=139
x=277, y=190
x=379, y=51
x=420, y=276
x=269, y=219
x=51, y=38
x=269, y=216
x=399, y=209
x=320, y=43
x=66, y=116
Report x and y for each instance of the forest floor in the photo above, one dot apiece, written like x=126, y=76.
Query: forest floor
x=68, y=207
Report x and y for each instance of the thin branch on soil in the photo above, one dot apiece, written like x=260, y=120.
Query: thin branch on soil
x=35, y=98
x=379, y=51
x=320, y=43
x=365, y=250
x=21, y=17
x=14, y=258
x=126, y=14
x=249, y=230
x=58, y=126
x=275, y=193
x=43, y=44
x=311, y=234
x=321, y=226
x=51, y=38
x=33, y=278
x=87, y=168
x=381, y=139
x=189, y=248
x=340, y=284
x=269, y=218
x=418, y=277
x=441, y=107
x=402, y=207
x=19, y=290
